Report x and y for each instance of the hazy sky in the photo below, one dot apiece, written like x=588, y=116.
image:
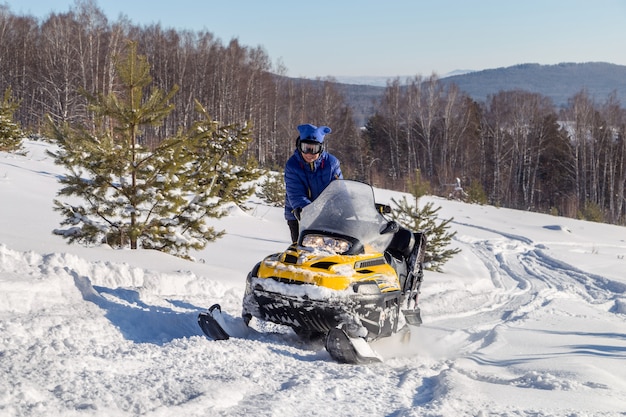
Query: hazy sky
x=388, y=38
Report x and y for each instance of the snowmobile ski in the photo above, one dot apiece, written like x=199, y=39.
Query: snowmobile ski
x=346, y=349
x=212, y=324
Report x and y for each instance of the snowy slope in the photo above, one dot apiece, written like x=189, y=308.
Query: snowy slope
x=529, y=319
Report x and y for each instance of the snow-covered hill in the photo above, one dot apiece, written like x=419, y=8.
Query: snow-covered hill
x=381, y=81
x=529, y=319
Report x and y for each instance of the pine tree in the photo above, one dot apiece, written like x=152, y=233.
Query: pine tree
x=10, y=133
x=419, y=187
x=134, y=196
x=218, y=159
x=425, y=219
x=476, y=193
x=272, y=189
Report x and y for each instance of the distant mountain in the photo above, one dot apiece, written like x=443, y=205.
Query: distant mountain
x=559, y=82
x=381, y=81
x=457, y=72
x=374, y=81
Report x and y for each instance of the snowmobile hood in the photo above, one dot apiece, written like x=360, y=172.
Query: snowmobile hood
x=335, y=272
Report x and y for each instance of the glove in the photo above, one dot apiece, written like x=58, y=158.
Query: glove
x=296, y=212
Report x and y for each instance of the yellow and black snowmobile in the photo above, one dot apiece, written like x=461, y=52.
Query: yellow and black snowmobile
x=352, y=277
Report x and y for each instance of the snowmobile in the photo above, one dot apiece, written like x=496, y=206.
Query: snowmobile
x=352, y=277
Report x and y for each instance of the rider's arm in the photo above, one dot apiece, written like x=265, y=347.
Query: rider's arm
x=298, y=192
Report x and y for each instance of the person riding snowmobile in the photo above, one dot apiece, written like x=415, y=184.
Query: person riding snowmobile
x=307, y=173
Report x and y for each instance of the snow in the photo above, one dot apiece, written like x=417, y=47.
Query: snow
x=529, y=319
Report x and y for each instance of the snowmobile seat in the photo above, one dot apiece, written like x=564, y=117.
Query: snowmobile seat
x=402, y=244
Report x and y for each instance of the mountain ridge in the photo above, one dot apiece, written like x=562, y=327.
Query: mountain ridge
x=559, y=82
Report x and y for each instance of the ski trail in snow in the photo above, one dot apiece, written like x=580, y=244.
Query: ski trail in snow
x=517, y=259
x=525, y=279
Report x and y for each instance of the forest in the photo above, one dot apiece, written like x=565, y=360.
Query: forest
x=516, y=149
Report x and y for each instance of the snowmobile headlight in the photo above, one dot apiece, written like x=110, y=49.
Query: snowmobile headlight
x=366, y=288
x=326, y=243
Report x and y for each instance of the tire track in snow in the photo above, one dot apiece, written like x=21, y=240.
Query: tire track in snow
x=537, y=264
x=528, y=286
x=524, y=278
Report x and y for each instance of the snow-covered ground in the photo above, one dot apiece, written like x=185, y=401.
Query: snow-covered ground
x=528, y=320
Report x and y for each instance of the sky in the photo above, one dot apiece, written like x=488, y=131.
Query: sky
x=529, y=319
x=389, y=39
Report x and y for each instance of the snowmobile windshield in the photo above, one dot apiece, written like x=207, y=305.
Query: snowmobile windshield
x=344, y=217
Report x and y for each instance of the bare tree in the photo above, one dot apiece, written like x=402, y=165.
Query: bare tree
x=456, y=123
x=18, y=37
x=579, y=113
x=391, y=130
x=59, y=67
x=614, y=151
x=429, y=118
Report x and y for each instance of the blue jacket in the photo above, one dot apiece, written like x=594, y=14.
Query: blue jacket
x=305, y=182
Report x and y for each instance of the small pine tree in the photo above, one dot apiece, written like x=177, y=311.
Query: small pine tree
x=134, y=196
x=419, y=187
x=425, y=219
x=10, y=133
x=476, y=193
x=231, y=178
x=591, y=212
x=272, y=189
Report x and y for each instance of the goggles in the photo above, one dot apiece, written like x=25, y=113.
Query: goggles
x=310, y=148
